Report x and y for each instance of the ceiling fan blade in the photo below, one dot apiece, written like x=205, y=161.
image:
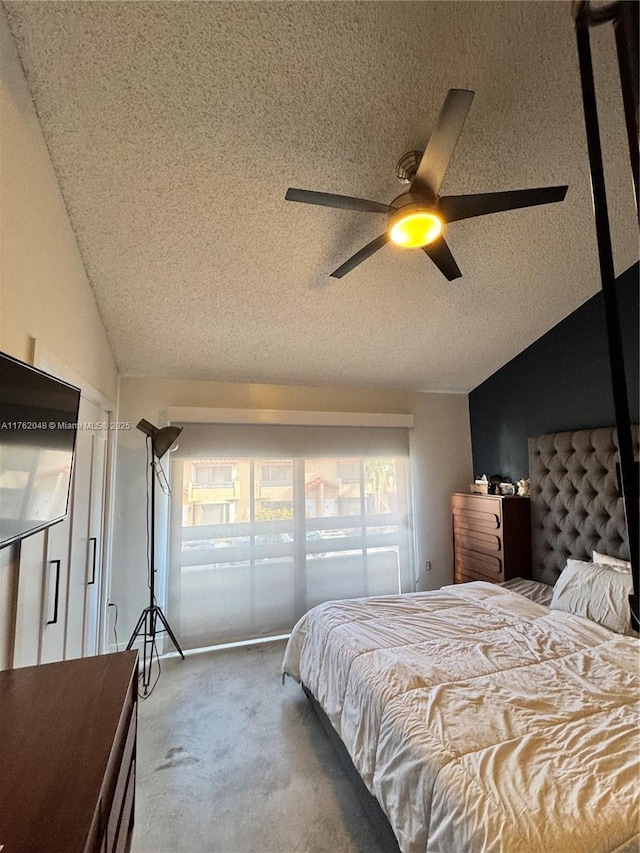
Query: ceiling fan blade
x=441, y=256
x=456, y=207
x=435, y=160
x=346, y=202
x=361, y=256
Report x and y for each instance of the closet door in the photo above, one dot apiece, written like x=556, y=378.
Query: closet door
x=56, y=579
x=85, y=579
x=80, y=559
x=31, y=577
x=42, y=596
x=97, y=494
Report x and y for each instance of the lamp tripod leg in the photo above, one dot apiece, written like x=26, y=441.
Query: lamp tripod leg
x=147, y=653
x=167, y=628
x=146, y=627
x=137, y=629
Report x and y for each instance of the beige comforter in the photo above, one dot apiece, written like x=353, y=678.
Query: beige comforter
x=481, y=721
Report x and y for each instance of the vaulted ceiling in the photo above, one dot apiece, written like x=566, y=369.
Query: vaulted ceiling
x=175, y=129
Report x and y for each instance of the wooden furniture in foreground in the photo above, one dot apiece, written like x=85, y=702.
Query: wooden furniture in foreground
x=68, y=747
x=491, y=538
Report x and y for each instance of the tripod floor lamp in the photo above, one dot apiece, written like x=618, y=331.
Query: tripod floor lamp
x=159, y=440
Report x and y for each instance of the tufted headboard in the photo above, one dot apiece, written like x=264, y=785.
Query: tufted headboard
x=576, y=506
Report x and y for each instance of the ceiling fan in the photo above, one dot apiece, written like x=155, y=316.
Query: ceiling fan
x=417, y=216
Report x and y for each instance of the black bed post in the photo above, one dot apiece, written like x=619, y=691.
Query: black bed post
x=624, y=15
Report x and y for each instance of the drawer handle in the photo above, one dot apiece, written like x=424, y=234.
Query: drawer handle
x=53, y=621
x=93, y=562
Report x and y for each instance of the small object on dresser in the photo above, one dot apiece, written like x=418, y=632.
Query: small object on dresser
x=506, y=489
x=480, y=486
x=494, y=484
x=523, y=488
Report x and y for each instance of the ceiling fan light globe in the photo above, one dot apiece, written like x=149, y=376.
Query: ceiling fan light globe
x=415, y=229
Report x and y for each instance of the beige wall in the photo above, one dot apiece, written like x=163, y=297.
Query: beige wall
x=440, y=464
x=44, y=291
x=440, y=451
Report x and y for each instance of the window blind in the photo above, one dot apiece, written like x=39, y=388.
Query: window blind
x=288, y=441
x=267, y=521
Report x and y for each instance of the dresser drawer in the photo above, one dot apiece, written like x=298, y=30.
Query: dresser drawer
x=475, y=540
x=471, y=512
x=481, y=521
x=476, y=503
x=474, y=563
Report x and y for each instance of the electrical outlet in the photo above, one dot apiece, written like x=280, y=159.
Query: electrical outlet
x=427, y=566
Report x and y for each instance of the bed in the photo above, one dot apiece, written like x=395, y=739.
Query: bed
x=484, y=721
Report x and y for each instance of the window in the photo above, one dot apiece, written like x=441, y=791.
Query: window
x=292, y=532
x=348, y=470
x=277, y=474
x=349, y=506
x=213, y=475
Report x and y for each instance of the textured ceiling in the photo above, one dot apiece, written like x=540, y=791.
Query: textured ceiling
x=176, y=128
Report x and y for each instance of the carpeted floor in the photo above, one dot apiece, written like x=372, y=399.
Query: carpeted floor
x=230, y=761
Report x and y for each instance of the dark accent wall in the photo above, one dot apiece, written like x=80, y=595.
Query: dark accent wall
x=561, y=382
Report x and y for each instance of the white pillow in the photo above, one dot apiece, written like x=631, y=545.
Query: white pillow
x=605, y=559
x=597, y=592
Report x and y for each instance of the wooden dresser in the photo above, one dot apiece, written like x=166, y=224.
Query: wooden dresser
x=68, y=752
x=491, y=538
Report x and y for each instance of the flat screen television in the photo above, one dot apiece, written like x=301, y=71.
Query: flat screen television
x=38, y=424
